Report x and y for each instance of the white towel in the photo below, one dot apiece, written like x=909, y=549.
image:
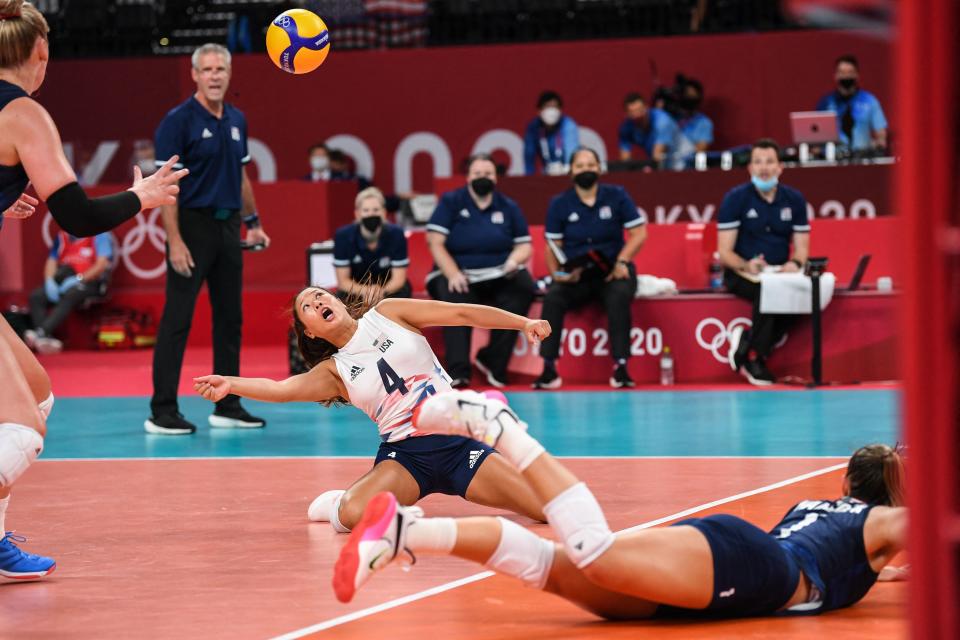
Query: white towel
x=790, y=292
x=648, y=286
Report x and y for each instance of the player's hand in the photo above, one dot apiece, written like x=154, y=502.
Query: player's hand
x=756, y=265
x=458, y=283
x=536, y=330
x=214, y=388
x=619, y=272
x=180, y=258
x=256, y=236
x=24, y=207
x=161, y=188
x=789, y=267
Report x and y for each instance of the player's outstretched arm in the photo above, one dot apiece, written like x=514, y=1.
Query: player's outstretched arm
x=433, y=313
x=40, y=150
x=316, y=385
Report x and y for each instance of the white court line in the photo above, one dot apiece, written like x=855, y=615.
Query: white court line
x=370, y=457
x=391, y=604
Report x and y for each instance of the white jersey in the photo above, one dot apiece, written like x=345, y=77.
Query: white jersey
x=388, y=370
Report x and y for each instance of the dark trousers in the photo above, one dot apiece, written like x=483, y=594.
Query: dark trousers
x=514, y=294
x=61, y=309
x=215, y=247
x=617, y=298
x=768, y=328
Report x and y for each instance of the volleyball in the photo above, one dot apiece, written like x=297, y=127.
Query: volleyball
x=298, y=41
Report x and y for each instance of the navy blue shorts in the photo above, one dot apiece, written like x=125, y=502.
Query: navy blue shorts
x=440, y=464
x=752, y=574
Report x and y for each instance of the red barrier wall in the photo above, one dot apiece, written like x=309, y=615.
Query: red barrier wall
x=394, y=104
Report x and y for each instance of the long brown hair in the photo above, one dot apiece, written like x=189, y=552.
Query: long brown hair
x=875, y=475
x=316, y=350
x=20, y=26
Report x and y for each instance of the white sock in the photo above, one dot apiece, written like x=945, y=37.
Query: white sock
x=432, y=535
x=3, y=512
x=518, y=446
x=335, y=516
x=577, y=519
x=522, y=554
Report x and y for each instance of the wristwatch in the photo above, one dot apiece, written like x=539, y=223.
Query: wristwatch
x=623, y=262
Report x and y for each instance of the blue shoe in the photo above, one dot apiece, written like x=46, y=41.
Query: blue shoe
x=17, y=565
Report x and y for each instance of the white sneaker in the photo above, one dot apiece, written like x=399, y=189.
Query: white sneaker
x=47, y=346
x=465, y=413
x=319, y=510
x=30, y=338
x=374, y=543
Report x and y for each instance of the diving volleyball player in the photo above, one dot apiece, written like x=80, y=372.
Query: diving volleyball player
x=377, y=359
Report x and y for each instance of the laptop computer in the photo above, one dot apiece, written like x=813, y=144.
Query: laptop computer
x=814, y=127
x=859, y=271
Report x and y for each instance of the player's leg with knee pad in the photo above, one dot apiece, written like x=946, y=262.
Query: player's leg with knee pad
x=522, y=554
x=46, y=407
x=19, y=448
x=576, y=517
x=338, y=526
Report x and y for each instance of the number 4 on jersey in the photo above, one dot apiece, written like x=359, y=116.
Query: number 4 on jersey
x=391, y=380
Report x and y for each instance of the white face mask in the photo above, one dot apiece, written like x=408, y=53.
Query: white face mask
x=319, y=163
x=550, y=116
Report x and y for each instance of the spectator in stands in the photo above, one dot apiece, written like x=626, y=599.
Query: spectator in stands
x=590, y=261
x=757, y=224
x=696, y=129
x=319, y=158
x=371, y=252
x=480, y=243
x=860, y=120
x=653, y=130
x=551, y=137
x=73, y=272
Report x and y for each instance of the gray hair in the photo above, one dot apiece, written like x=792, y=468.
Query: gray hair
x=370, y=192
x=210, y=47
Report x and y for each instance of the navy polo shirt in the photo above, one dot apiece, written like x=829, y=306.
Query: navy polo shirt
x=350, y=250
x=600, y=227
x=213, y=149
x=763, y=228
x=479, y=239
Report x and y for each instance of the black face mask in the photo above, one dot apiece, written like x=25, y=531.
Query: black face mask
x=482, y=186
x=847, y=83
x=586, y=179
x=371, y=223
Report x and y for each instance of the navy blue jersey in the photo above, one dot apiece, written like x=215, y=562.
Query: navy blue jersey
x=599, y=227
x=214, y=149
x=479, y=239
x=763, y=228
x=826, y=538
x=13, y=180
x=350, y=250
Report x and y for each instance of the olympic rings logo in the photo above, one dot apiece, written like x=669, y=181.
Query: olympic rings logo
x=720, y=338
x=147, y=229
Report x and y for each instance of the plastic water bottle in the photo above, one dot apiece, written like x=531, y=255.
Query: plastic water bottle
x=716, y=272
x=666, y=368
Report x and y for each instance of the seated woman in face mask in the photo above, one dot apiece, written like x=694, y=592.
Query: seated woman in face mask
x=371, y=252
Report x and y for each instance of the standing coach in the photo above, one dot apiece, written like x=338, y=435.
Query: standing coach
x=203, y=239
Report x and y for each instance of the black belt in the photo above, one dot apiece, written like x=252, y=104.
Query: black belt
x=213, y=212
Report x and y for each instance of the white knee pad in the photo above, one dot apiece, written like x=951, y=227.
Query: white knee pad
x=319, y=510
x=576, y=517
x=522, y=554
x=46, y=407
x=19, y=447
